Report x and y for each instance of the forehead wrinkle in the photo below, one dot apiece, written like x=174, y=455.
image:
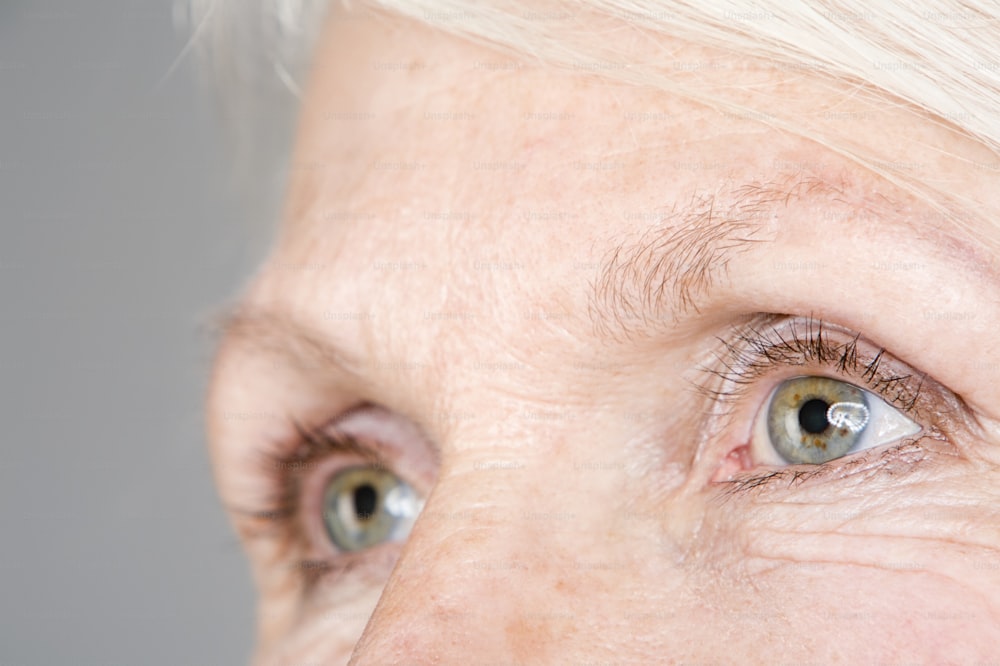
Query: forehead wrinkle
x=665, y=273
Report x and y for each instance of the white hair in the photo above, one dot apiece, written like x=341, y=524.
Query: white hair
x=941, y=57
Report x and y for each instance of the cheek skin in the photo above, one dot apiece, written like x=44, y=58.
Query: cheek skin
x=889, y=562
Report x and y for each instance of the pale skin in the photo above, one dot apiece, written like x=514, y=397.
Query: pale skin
x=503, y=278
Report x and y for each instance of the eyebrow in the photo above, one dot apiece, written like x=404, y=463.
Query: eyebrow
x=665, y=273
x=660, y=276
x=283, y=336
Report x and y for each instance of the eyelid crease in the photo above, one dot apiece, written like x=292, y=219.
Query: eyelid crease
x=325, y=440
x=759, y=346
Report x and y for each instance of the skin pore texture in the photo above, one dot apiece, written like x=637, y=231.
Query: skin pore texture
x=523, y=286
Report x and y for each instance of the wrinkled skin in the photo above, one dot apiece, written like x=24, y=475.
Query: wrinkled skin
x=455, y=252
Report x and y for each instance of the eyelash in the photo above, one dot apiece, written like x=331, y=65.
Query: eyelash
x=283, y=473
x=757, y=348
x=770, y=342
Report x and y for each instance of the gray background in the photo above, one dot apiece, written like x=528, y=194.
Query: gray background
x=122, y=230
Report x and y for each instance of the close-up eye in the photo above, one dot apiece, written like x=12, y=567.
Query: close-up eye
x=366, y=506
x=808, y=392
x=814, y=419
x=338, y=492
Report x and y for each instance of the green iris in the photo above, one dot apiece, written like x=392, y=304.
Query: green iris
x=366, y=506
x=816, y=419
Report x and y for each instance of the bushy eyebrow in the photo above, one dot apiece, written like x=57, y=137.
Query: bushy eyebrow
x=664, y=273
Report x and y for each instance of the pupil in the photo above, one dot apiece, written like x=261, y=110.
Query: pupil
x=365, y=498
x=812, y=416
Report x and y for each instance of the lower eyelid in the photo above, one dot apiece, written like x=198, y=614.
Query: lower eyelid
x=801, y=345
x=898, y=459
x=323, y=579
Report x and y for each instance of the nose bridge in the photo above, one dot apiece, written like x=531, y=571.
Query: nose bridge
x=480, y=572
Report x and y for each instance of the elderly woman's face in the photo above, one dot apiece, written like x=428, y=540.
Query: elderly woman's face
x=546, y=369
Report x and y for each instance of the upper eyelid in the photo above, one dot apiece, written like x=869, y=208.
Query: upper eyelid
x=329, y=440
x=316, y=445
x=760, y=353
x=284, y=468
x=365, y=432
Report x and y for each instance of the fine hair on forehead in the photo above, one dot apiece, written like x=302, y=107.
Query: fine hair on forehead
x=938, y=60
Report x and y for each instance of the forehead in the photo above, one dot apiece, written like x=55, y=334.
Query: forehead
x=407, y=132
x=413, y=142
x=440, y=187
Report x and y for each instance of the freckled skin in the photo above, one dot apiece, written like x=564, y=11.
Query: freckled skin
x=577, y=514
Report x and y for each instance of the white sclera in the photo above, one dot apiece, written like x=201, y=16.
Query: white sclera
x=891, y=425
